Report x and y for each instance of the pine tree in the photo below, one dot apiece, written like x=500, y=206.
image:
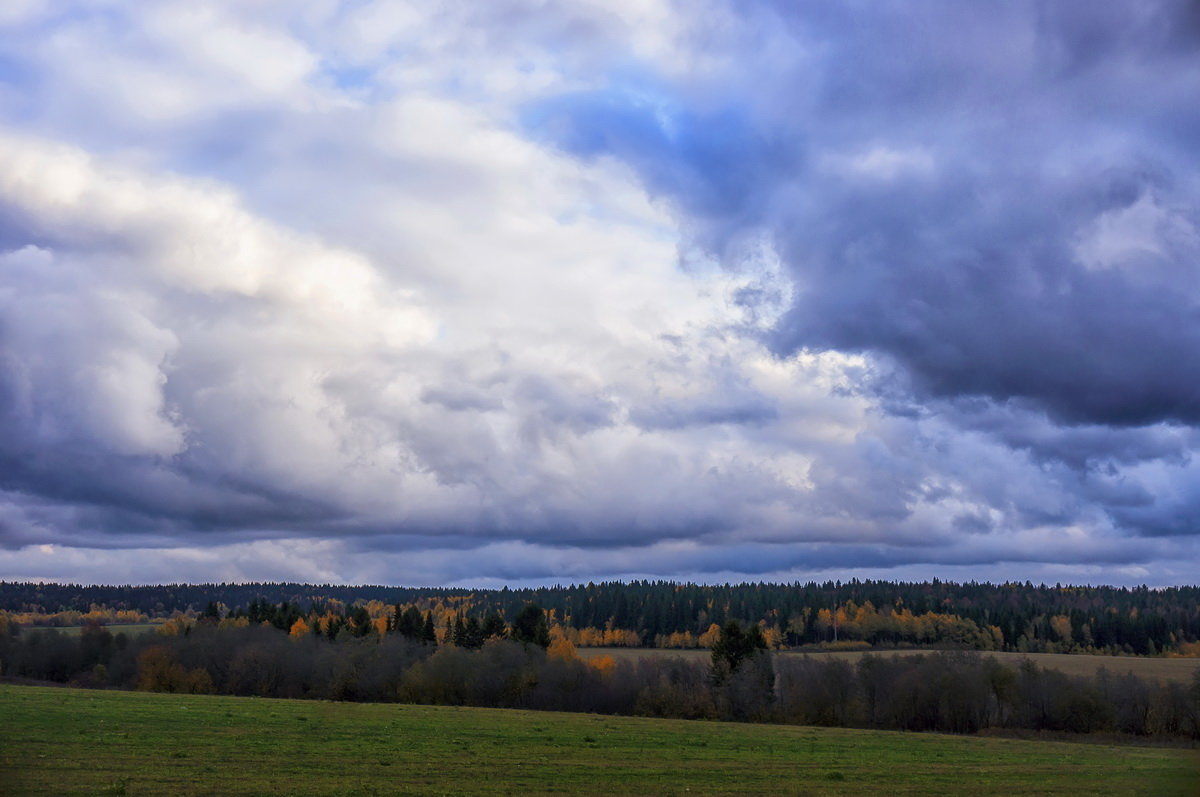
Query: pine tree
x=409, y=623
x=473, y=636
x=735, y=646
x=494, y=627
x=530, y=626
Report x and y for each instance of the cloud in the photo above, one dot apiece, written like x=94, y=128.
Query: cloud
x=1005, y=211
x=175, y=363
x=1003, y=215
x=378, y=292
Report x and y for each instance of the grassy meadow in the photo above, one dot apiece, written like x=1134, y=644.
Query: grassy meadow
x=115, y=628
x=58, y=741
x=1180, y=670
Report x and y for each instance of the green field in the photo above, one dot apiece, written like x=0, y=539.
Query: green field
x=1179, y=670
x=67, y=741
x=75, y=630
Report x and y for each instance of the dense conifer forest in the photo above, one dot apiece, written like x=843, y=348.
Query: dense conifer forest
x=1011, y=617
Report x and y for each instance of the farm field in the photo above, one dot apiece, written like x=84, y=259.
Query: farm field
x=76, y=630
x=67, y=741
x=1180, y=670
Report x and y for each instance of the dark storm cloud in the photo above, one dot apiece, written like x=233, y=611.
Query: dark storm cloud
x=1175, y=516
x=1082, y=447
x=1001, y=200
x=120, y=498
x=516, y=562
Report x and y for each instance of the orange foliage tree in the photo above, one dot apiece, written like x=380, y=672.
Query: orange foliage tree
x=159, y=672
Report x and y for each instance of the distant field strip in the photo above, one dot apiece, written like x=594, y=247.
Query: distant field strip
x=76, y=630
x=66, y=741
x=1180, y=670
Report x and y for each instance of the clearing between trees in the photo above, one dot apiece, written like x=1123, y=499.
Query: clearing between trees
x=1177, y=670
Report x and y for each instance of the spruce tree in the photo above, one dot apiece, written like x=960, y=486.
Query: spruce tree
x=530, y=626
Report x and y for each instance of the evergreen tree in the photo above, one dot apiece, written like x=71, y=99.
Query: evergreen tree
x=494, y=627
x=409, y=624
x=530, y=626
x=734, y=646
x=336, y=624
x=360, y=621
x=473, y=634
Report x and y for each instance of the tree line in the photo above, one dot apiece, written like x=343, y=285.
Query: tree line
x=523, y=667
x=983, y=616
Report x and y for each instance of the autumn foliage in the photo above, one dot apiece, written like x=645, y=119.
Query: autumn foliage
x=157, y=671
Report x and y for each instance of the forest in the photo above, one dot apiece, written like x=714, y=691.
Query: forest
x=523, y=665
x=980, y=616
x=517, y=648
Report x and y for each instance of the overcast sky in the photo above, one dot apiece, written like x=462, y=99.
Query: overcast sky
x=529, y=292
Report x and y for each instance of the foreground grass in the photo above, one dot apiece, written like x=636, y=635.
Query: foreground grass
x=67, y=741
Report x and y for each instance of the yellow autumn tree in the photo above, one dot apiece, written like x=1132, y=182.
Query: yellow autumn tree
x=174, y=627
x=605, y=665
x=299, y=629
x=824, y=622
x=997, y=637
x=677, y=639
x=773, y=637
x=1187, y=650
x=326, y=620
x=709, y=637
x=562, y=648
x=129, y=616
x=157, y=671
x=621, y=637
x=589, y=638
x=1060, y=624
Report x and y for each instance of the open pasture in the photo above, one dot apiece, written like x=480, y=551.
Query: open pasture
x=65, y=741
x=76, y=630
x=1180, y=670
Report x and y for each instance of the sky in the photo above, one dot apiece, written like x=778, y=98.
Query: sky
x=526, y=292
